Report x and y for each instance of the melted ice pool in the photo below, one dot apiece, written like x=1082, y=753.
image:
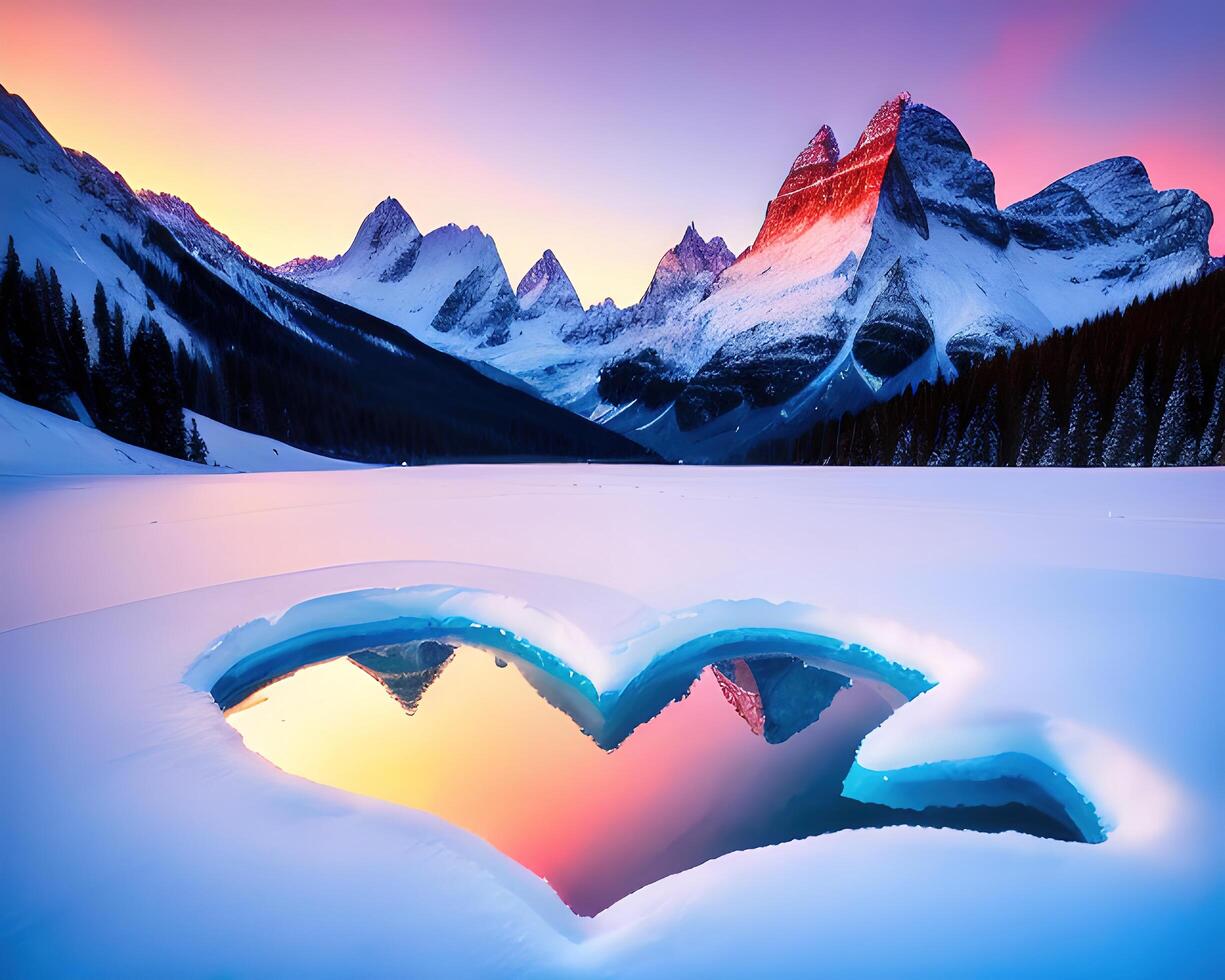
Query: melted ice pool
x=754, y=753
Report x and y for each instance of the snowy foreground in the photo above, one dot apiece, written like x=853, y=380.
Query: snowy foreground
x=1075, y=616
x=36, y=442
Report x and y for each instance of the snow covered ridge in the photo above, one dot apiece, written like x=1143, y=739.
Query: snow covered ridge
x=196, y=235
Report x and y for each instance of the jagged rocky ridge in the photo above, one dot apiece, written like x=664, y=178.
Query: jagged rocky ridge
x=872, y=271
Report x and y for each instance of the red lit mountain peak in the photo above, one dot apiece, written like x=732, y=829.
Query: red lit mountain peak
x=815, y=161
x=884, y=124
x=821, y=185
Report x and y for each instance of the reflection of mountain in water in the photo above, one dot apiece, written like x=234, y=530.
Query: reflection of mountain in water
x=661, y=779
x=778, y=696
x=406, y=670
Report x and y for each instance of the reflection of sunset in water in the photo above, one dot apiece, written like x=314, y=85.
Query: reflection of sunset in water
x=486, y=752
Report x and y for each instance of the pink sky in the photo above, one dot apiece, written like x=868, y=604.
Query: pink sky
x=597, y=130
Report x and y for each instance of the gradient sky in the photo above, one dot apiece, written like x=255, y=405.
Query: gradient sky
x=598, y=130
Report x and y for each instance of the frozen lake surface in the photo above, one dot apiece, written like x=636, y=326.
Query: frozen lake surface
x=1072, y=619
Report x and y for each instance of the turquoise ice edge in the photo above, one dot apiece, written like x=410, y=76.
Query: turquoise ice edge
x=610, y=716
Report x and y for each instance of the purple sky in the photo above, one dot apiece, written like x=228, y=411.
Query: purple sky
x=599, y=130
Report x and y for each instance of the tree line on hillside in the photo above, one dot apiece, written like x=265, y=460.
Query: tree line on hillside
x=333, y=379
x=130, y=390
x=252, y=373
x=1137, y=387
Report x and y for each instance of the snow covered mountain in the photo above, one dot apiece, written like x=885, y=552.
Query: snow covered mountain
x=286, y=361
x=872, y=271
x=686, y=272
x=882, y=268
x=37, y=442
x=62, y=207
x=546, y=287
x=449, y=282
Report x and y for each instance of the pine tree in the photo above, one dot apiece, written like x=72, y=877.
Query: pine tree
x=197, y=450
x=77, y=353
x=903, y=451
x=1176, y=434
x=7, y=386
x=42, y=296
x=1124, y=442
x=980, y=442
x=138, y=426
x=40, y=375
x=162, y=397
x=1211, y=443
x=1083, y=444
x=1039, y=428
x=10, y=343
x=55, y=300
x=102, y=318
x=945, y=445
x=125, y=420
x=10, y=279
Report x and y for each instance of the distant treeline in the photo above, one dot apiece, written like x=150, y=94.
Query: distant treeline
x=1140, y=387
x=131, y=390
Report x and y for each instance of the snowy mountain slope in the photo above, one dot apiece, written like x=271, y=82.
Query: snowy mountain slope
x=234, y=450
x=34, y=442
x=200, y=238
x=65, y=209
x=38, y=442
x=59, y=204
x=378, y=393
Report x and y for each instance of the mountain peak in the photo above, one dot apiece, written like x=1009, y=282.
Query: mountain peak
x=546, y=286
x=816, y=161
x=884, y=124
x=693, y=261
x=390, y=207
x=823, y=184
x=386, y=223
